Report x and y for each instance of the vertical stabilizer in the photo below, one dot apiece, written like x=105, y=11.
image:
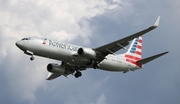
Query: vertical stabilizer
x=134, y=52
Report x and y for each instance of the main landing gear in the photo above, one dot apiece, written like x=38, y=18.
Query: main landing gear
x=96, y=65
x=78, y=74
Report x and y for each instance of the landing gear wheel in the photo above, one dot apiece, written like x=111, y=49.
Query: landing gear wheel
x=78, y=74
x=31, y=58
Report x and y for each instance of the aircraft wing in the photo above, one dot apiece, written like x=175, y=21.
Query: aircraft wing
x=69, y=69
x=111, y=48
x=52, y=76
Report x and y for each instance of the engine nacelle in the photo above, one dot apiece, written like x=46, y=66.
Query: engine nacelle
x=87, y=53
x=55, y=68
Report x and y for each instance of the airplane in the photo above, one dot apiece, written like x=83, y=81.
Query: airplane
x=75, y=59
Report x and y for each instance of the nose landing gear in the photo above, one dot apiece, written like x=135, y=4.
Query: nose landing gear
x=29, y=53
x=32, y=58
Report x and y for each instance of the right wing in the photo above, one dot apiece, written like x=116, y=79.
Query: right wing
x=111, y=48
x=52, y=76
x=69, y=69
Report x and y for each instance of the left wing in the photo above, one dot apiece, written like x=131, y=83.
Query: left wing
x=111, y=48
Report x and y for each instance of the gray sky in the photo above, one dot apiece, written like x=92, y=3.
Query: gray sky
x=90, y=23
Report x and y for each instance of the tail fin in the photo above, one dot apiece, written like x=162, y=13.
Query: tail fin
x=134, y=52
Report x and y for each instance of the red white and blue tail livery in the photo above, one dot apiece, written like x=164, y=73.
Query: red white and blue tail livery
x=77, y=58
x=134, y=53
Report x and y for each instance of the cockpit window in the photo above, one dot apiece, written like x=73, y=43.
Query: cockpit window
x=25, y=39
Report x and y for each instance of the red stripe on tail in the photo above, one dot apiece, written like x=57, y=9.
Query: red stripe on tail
x=132, y=57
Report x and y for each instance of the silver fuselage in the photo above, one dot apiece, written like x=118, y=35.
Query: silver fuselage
x=68, y=53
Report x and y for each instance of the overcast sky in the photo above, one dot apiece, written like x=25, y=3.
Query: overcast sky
x=89, y=23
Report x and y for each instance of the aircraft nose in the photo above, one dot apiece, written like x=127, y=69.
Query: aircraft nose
x=19, y=44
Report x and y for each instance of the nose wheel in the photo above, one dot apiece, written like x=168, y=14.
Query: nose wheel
x=32, y=58
x=29, y=53
x=78, y=74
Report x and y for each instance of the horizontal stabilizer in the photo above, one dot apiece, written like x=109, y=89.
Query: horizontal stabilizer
x=146, y=60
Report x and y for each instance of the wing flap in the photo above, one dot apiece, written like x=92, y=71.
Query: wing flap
x=146, y=60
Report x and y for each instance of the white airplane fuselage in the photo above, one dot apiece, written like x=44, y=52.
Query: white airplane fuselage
x=76, y=58
x=67, y=53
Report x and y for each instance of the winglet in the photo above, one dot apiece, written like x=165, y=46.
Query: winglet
x=157, y=22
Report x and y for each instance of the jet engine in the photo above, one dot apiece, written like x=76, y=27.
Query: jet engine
x=87, y=53
x=55, y=68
